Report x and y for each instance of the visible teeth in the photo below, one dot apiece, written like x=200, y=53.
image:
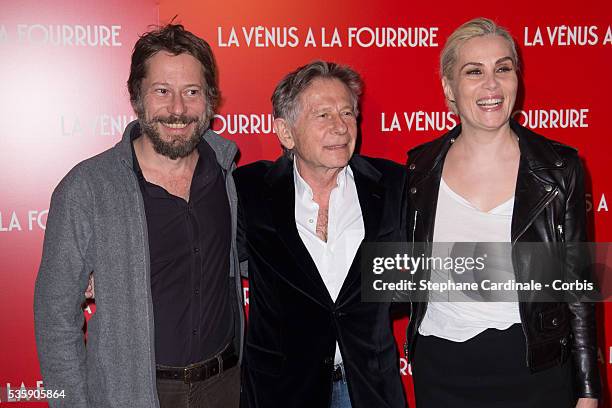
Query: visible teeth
x=174, y=125
x=487, y=102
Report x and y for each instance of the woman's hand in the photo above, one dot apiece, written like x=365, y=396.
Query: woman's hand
x=586, y=403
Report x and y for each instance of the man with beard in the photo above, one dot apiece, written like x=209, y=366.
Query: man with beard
x=153, y=219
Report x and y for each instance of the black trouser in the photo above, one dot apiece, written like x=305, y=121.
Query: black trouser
x=489, y=370
x=220, y=391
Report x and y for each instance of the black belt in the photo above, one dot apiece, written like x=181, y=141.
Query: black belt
x=338, y=373
x=200, y=371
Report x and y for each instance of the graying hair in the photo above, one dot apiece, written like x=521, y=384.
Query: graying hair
x=285, y=99
x=477, y=27
x=286, y=96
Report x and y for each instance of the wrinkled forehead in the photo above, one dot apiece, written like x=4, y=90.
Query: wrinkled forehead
x=323, y=91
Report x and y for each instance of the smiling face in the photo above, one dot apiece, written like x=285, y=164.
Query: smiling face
x=484, y=83
x=324, y=132
x=173, y=110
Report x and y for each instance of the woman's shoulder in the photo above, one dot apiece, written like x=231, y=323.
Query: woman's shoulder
x=542, y=144
x=430, y=151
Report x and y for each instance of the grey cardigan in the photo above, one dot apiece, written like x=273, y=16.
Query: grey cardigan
x=97, y=223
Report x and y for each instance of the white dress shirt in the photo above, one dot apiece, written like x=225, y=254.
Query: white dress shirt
x=345, y=230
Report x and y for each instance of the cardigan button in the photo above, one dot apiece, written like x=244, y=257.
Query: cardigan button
x=563, y=341
x=548, y=188
x=413, y=190
x=559, y=163
x=412, y=166
x=555, y=321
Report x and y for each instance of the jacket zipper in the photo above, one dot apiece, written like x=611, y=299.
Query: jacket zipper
x=414, y=224
x=522, y=315
x=548, y=201
x=561, y=235
x=540, y=208
x=416, y=212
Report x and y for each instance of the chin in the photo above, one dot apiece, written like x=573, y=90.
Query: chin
x=342, y=156
x=491, y=123
x=497, y=124
x=171, y=137
x=337, y=164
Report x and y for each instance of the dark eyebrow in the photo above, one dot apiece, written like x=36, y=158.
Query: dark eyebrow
x=478, y=64
x=470, y=63
x=504, y=59
x=194, y=85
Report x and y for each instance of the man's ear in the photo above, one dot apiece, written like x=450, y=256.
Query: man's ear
x=284, y=134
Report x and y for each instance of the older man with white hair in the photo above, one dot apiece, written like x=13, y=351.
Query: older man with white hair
x=303, y=219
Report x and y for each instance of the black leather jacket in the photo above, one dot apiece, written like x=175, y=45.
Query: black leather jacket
x=549, y=207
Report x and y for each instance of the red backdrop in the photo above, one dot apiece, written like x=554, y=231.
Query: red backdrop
x=65, y=65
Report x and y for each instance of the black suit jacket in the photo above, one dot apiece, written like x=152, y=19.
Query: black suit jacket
x=293, y=322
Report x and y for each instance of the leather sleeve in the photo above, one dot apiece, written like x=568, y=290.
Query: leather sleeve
x=582, y=317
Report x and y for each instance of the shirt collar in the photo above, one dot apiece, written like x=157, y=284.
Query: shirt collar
x=303, y=189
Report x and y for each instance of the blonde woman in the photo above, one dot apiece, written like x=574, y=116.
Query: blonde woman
x=491, y=180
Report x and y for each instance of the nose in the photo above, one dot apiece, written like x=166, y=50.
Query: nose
x=340, y=125
x=491, y=82
x=177, y=105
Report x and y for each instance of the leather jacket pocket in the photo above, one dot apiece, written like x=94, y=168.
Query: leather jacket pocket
x=553, y=319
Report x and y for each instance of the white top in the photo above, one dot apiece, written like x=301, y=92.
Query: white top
x=345, y=230
x=457, y=220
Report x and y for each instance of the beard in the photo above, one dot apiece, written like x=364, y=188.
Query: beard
x=178, y=146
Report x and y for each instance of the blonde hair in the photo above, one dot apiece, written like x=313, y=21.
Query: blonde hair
x=477, y=27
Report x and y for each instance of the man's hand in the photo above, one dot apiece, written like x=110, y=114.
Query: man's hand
x=586, y=403
x=90, y=294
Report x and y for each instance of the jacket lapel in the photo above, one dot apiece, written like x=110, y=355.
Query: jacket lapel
x=370, y=192
x=534, y=188
x=281, y=199
x=424, y=174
